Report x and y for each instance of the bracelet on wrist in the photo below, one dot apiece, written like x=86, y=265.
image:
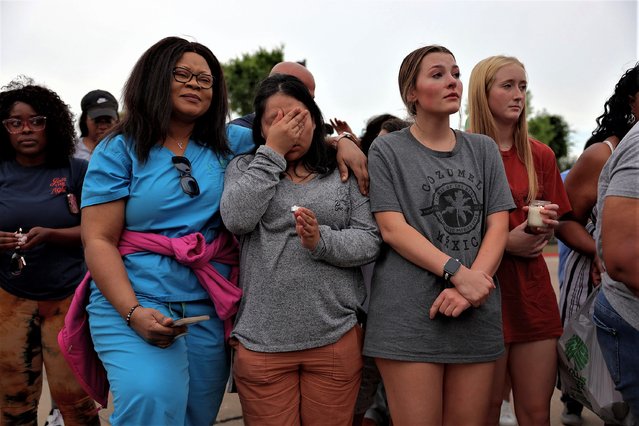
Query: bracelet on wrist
x=345, y=135
x=128, y=316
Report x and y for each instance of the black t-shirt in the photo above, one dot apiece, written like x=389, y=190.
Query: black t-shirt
x=37, y=196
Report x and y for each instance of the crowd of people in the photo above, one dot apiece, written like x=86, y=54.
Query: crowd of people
x=391, y=277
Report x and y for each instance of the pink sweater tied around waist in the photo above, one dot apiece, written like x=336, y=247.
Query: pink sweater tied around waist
x=192, y=251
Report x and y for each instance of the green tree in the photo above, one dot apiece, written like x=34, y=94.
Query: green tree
x=552, y=130
x=243, y=74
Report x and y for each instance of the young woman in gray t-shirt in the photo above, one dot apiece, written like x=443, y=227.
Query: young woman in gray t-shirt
x=441, y=201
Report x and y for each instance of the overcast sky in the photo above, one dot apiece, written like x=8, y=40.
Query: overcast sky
x=574, y=51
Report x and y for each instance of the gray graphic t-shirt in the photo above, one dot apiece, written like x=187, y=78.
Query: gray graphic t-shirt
x=619, y=178
x=446, y=196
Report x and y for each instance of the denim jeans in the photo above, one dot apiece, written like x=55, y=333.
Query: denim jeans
x=619, y=343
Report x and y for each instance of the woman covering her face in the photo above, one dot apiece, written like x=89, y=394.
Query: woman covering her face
x=441, y=200
x=303, y=235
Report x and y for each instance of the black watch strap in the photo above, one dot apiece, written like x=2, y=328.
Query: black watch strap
x=450, y=268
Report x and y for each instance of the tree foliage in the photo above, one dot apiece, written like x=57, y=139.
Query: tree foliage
x=552, y=130
x=243, y=74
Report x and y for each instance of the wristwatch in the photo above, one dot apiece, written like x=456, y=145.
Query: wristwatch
x=450, y=268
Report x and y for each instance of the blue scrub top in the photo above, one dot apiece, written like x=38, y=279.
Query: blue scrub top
x=156, y=203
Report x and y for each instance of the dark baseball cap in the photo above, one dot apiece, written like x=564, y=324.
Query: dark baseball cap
x=100, y=103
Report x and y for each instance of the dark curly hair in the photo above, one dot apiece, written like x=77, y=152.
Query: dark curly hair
x=59, y=130
x=319, y=158
x=617, y=118
x=147, y=99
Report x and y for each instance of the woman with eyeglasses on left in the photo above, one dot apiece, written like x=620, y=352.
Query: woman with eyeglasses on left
x=154, y=185
x=41, y=259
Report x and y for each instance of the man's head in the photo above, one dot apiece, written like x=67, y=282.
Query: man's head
x=296, y=70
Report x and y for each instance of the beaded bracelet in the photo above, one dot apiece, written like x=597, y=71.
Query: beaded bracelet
x=128, y=316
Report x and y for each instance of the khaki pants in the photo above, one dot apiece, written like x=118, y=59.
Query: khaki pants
x=311, y=387
x=28, y=338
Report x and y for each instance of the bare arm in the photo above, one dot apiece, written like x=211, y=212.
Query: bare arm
x=473, y=285
x=581, y=187
x=493, y=244
x=350, y=156
x=575, y=236
x=102, y=226
x=620, y=240
x=62, y=236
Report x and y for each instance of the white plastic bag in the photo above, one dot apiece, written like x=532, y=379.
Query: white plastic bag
x=582, y=369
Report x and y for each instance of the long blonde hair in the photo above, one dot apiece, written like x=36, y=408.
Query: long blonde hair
x=482, y=121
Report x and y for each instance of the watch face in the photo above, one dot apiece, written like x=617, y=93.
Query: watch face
x=451, y=266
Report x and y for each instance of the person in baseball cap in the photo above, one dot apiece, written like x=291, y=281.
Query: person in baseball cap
x=99, y=115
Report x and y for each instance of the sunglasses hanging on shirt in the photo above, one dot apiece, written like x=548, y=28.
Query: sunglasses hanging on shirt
x=187, y=182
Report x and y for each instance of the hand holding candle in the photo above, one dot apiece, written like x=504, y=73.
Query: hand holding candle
x=535, y=220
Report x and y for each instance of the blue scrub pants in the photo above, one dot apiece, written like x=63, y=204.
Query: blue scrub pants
x=180, y=385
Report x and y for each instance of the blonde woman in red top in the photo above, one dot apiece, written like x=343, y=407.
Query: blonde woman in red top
x=497, y=102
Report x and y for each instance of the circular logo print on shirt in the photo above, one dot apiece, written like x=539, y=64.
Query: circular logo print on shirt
x=456, y=207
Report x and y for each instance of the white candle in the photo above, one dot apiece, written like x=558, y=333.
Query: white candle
x=535, y=218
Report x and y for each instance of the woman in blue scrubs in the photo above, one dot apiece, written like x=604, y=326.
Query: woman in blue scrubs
x=160, y=172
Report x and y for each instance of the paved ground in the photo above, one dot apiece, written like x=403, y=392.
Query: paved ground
x=231, y=412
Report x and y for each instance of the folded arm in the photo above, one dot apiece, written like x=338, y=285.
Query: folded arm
x=473, y=285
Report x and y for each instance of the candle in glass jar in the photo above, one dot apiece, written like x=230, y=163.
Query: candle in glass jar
x=535, y=218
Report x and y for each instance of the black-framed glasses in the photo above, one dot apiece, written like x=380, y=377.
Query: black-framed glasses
x=183, y=75
x=187, y=182
x=16, y=125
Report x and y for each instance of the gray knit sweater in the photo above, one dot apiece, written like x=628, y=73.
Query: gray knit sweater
x=296, y=299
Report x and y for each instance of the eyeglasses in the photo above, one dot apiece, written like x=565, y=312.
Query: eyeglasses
x=187, y=182
x=16, y=125
x=183, y=75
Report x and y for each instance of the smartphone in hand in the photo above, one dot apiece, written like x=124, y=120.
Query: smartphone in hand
x=190, y=320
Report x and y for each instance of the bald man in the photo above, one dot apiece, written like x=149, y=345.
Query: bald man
x=289, y=68
x=296, y=70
